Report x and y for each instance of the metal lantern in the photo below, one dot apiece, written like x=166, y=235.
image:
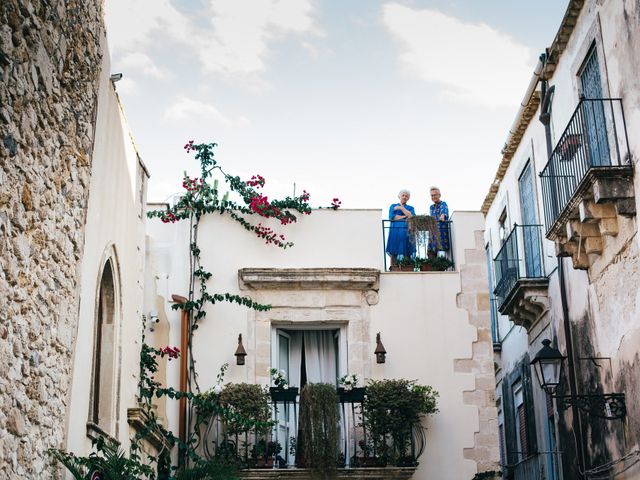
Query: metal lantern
x=380, y=352
x=240, y=352
x=548, y=366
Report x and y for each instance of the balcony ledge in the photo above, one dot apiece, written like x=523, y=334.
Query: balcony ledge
x=591, y=215
x=527, y=301
x=383, y=473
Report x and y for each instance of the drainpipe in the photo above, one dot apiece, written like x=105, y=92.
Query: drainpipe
x=545, y=119
x=184, y=346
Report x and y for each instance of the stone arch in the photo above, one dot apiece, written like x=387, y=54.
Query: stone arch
x=105, y=376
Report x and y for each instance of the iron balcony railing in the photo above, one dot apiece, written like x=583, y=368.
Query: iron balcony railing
x=537, y=466
x=595, y=137
x=278, y=448
x=419, y=243
x=520, y=257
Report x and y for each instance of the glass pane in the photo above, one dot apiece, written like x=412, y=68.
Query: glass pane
x=283, y=354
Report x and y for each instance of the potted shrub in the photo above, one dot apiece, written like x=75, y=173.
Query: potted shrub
x=264, y=452
x=319, y=428
x=423, y=264
x=392, y=409
x=440, y=264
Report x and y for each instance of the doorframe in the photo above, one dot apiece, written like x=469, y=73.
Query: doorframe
x=343, y=345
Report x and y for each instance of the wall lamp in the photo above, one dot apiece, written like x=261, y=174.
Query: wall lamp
x=381, y=353
x=240, y=352
x=548, y=367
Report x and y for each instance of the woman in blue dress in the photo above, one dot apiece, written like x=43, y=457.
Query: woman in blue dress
x=440, y=211
x=400, y=243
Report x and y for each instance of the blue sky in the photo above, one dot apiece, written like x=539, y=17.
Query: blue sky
x=355, y=99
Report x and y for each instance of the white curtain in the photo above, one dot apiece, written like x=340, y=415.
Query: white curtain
x=295, y=358
x=320, y=356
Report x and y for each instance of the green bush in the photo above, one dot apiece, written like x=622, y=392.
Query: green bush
x=319, y=427
x=249, y=407
x=392, y=408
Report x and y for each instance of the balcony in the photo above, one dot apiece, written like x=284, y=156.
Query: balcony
x=536, y=466
x=425, y=245
x=521, y=283
x=587, y=184
x=274, y=452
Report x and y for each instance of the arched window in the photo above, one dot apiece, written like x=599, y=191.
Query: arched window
x=104, y=353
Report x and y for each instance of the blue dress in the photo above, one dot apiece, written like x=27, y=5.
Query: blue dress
x=436, y=210
x=399, y=241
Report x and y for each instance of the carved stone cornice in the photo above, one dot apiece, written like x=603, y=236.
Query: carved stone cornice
x=527, y=302
x=309, y=279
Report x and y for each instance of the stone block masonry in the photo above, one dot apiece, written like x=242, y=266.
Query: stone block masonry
x=50, y=56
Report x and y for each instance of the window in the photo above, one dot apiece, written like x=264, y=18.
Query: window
x=103, y=382
x=502, y=226
x=521, y=421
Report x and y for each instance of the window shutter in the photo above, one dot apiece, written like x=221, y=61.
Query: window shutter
x=522, y=421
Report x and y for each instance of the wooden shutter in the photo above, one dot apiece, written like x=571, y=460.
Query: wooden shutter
x=522, y=421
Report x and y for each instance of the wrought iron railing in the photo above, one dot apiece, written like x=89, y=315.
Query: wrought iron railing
x=420, y=246
x=535, y=467
x=521, y=256
x=276, y=447
x=595, y=137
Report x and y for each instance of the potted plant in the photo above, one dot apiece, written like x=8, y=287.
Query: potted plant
x=281, y=392
x=348, y=391
x=264, y=452
x=423, y=264
x=406, y=264
x=392, y=410
x=319, y=428
x=440, y=264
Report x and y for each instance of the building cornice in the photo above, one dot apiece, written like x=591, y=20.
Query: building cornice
x=309, y=278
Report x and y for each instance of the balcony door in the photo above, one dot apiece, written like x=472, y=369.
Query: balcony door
x=530, y=231
x=594, y=117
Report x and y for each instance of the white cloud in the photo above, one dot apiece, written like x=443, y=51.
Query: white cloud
x=472, y=62
x=141, y=62
x=187, y=108
x=241, y=32
x=132, y=24
x=235, y=42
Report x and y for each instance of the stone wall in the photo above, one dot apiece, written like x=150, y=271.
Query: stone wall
x=50, y=55
x=474, y=298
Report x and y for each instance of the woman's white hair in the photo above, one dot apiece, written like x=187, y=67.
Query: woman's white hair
x=433, y=187
x=404, y=190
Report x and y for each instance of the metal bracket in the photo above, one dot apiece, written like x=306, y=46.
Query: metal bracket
x=610, y=406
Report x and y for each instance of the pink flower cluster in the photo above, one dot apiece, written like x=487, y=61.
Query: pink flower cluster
x=335, y=203
x=189, y=146
x=192, y=184
x=168, y=217
x=257, y=181
x=305, y=196
x=260, y=205
x=269, y=235
x=171, y=352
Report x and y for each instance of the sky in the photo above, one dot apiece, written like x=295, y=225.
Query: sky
x=354, y=99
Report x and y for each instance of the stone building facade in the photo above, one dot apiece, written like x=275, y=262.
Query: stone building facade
x=435, y=326
x=561, y=239
x=50, y=57
x=72, y=202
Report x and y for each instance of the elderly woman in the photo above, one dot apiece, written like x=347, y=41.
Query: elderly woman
x=399, y=243
x=440, y=211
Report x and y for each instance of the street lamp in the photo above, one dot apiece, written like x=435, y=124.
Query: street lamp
x=548, y=366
